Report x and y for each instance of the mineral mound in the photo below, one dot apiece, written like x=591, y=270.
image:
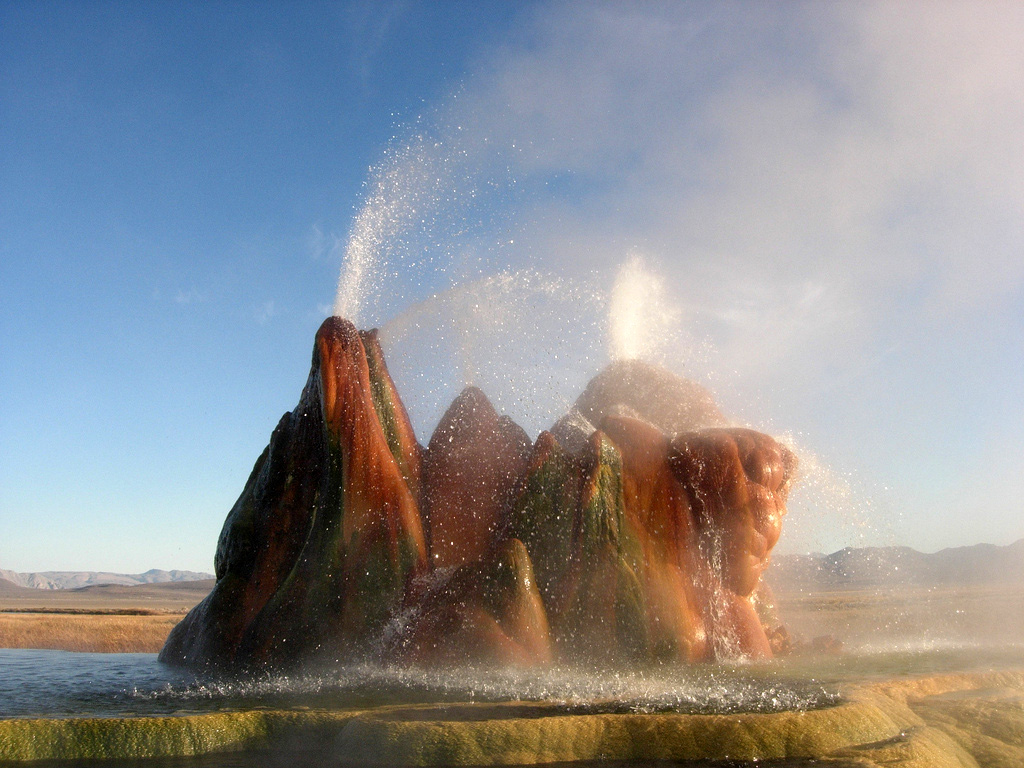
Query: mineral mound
x=636, y=529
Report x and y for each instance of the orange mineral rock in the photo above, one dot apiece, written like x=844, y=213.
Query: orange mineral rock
x=737, y=481
x=320, y=546
x=660, y=512
x=393, y=417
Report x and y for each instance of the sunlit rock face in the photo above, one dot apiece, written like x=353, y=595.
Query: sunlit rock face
x=671, y=569
x=636, y=530
x=393, y=417
x=737, y=482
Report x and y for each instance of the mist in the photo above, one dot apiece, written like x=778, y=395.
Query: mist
x=827, y=197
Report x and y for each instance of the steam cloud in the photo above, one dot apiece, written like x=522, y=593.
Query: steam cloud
x=832, y=191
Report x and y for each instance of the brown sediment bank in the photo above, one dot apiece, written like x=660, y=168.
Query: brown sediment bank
x=177, y=597
x=975, y=614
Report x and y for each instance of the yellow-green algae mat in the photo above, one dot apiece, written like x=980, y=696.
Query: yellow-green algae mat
x=935, y=722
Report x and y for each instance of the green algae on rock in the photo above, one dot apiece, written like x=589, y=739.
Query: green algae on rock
x=317, y=551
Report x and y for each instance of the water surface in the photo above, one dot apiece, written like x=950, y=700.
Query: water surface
x=63, y=684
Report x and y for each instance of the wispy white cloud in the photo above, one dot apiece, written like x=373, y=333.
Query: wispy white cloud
x=369, y=23
x=266, y=312
x=321, y=244
x=317, y=243
x=190, y=296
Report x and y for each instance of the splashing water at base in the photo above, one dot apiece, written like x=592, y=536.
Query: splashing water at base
x=61, y=684
x=54, y=683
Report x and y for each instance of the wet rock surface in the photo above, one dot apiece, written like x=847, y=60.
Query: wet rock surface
x=636, y=530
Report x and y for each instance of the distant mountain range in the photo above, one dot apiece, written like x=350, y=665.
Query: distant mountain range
x=77, y=579
x=899, y=566
x=848, y=568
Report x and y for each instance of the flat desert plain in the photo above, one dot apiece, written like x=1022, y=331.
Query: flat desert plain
x=120, y=619
x=916, y=618
x=107, y=618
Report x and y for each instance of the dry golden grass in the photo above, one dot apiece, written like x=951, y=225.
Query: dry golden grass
x=86, y=632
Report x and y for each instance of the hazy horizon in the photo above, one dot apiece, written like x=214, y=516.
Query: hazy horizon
x=775, y=555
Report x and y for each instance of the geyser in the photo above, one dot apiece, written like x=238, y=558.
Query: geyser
x=636, y=530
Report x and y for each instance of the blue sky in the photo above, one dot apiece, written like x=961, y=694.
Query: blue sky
x=819, y=206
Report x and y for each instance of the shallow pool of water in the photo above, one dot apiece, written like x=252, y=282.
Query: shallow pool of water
x=62, y=684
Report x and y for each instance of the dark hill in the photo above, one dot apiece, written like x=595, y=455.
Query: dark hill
x=75, y=579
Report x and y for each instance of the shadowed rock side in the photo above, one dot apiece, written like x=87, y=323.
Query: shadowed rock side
x=570, y=515
x=317, y=552
x=545, y=511
x=474, y=460
x=641, y=540
x=601, y=606
x=487, y=611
